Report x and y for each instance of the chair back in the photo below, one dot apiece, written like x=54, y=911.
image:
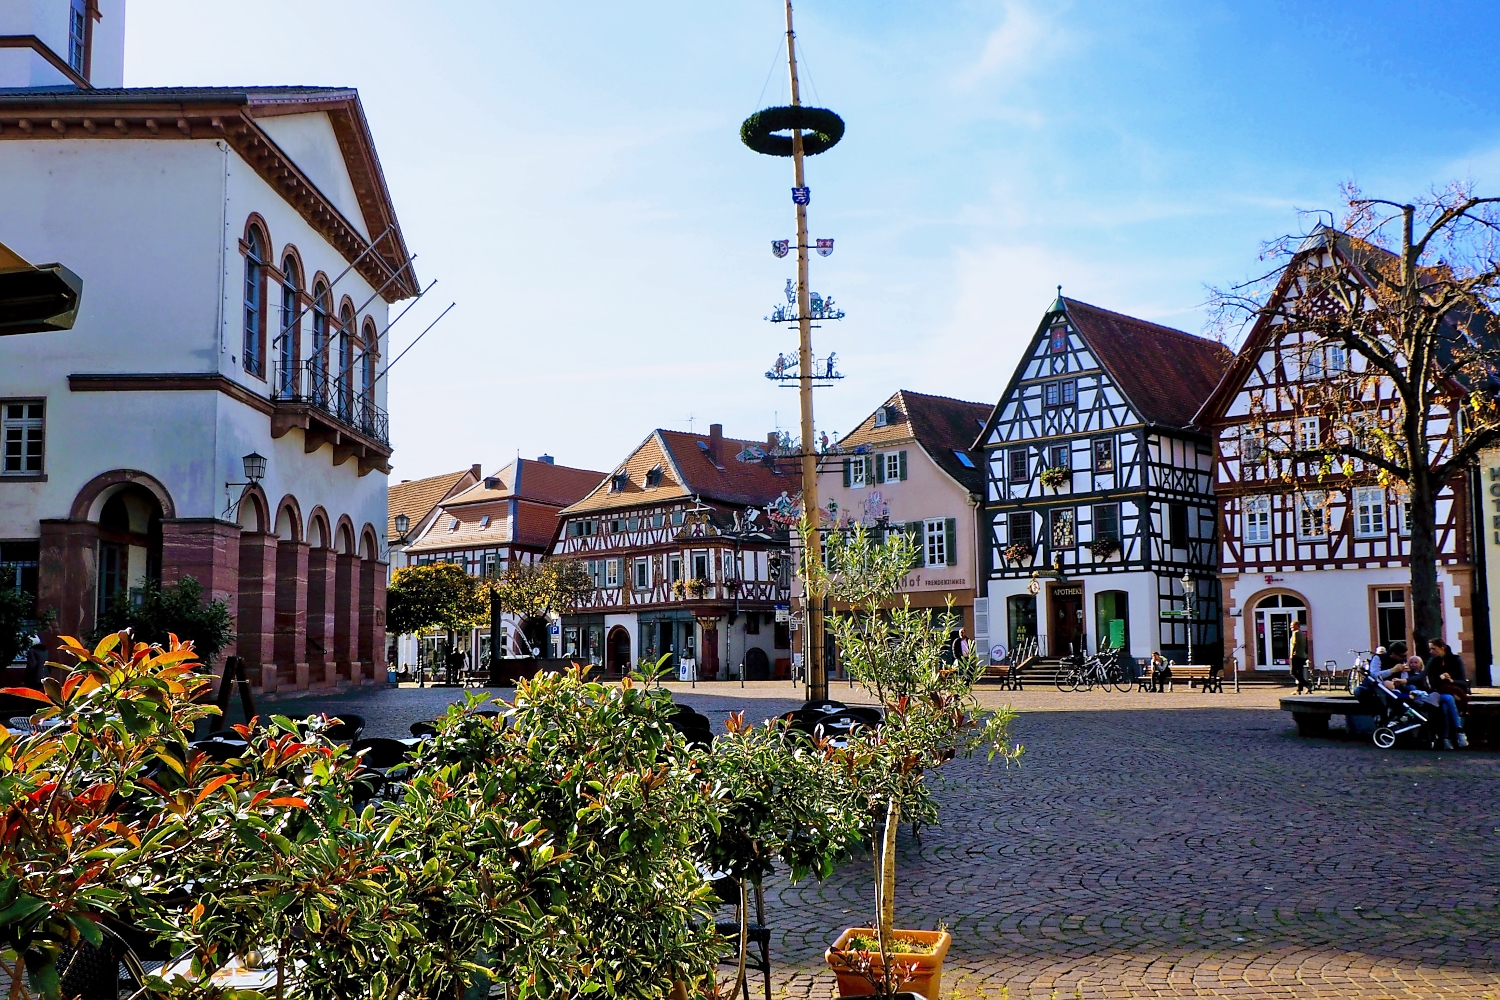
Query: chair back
x=345, y=728
x=381, y=752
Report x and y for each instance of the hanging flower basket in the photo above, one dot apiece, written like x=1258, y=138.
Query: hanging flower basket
x=1103, y=548
x=679, y=588
x=1017, y=553
x=697, y=587
x=733, y=585
x=1055, y=477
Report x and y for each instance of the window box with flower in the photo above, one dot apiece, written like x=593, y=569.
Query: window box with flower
x=1103, y=548
x=1017, y=553
x=1055, y=477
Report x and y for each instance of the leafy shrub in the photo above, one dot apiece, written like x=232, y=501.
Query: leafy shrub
x=177, y=609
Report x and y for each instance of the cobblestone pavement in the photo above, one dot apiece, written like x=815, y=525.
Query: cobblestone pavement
x=1179, y=845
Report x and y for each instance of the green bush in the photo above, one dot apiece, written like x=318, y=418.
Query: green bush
x=177, y=609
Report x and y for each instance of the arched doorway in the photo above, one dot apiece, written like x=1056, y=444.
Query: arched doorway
x=1273, y=618
x=129, y=545
x=757, y=664
x=619, y=650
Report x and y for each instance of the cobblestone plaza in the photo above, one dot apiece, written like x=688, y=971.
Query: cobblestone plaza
x=1179, y=845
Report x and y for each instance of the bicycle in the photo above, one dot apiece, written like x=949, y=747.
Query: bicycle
x=1104, y=670
x=1358, y=670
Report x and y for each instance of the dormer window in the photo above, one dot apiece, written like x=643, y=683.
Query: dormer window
x=78, y=28
x=653, y=477
x=453, y=524
x=492, y=482
x=618, y=482
x=880, y=418
x=484, y=522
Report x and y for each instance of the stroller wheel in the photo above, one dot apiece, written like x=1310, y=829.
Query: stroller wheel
x=1385, y=737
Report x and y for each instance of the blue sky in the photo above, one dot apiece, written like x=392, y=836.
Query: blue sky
x=571, y=174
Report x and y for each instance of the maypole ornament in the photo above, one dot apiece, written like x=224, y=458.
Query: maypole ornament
x=821, y=130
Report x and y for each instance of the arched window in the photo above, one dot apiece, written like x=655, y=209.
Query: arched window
x=1274, y=618
x=368, y=356
x=286, y=343
x=255, y=312
x=346, y=361
x=317, y=363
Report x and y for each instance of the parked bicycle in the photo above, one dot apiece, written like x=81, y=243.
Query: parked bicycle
x=1101, y=669
x=1358, y=670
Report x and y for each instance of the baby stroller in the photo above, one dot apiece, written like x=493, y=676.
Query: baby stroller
x=1400, y=717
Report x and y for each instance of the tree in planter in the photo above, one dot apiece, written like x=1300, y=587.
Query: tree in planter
x=438, y=596
x=1390, y=334
x=176, y=609
x=533, y=591
x=931, y=715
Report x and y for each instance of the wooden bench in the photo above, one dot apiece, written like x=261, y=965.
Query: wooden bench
x=1006, y=675
x=1312, y=713
x=1196, y=676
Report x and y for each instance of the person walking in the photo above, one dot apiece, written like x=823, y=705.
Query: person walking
x=1299, y=658
x=36, y=663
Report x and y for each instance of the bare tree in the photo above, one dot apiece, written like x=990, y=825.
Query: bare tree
x=1394, y=320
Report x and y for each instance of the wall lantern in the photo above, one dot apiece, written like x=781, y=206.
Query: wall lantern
x=255, y=467
x=403, y=524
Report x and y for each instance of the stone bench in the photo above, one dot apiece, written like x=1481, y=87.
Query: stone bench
x=1312, y=712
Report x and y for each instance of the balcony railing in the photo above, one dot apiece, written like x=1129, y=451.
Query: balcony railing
x=316, y=385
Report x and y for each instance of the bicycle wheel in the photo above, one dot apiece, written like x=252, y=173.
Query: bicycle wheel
x=1117, y=678
x=1065, y=679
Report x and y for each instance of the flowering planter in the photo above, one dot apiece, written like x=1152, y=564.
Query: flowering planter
x=928, y=981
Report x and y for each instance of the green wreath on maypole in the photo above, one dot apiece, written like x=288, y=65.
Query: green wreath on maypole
x=821, y=130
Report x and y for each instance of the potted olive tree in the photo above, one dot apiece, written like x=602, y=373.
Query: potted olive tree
x=897, y=653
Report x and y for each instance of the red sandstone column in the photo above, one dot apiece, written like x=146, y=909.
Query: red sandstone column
x=291, y=613
x=320, y=605
x=372, y=617
x=346, y=615
x=256, y=617
x=68, y=580
x=208, y=550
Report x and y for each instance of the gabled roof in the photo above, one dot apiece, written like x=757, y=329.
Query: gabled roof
x=687, y=471
x=231, y=114
x=943, y=426
x=419, y=498
x=544, y=482
x=1164, y=374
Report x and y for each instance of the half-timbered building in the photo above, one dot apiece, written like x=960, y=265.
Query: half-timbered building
x=1302, y=543
x=684, y=559
x=1100, y=492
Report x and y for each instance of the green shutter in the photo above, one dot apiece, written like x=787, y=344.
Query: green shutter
x=950, y=546
x=846, y=473
x=903, y=466
x=879, y=468
x=919, y=537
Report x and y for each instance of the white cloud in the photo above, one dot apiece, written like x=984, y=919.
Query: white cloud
x=1023, y=41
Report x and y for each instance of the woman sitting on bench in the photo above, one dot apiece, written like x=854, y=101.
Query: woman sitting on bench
x=1161, y=672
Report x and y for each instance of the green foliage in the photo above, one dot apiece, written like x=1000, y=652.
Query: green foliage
x=177, y=610
x=436, y=596
x=534, y=590
x=822, y=129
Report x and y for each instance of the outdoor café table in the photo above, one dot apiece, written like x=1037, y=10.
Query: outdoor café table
x=234, y=975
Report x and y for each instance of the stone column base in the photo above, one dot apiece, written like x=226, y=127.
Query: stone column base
x=303, y=673
x=268, y=677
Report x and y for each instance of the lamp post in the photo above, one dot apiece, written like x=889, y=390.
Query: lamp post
x=1189, y=588
x=254, y=465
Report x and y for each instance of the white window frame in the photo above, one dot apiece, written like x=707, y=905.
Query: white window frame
x=17, y=433
x=892, y=467
x=611, y=574
x=1257, y=513
x=1338, y=359
x=1312, y=367
x=1370, y=512
x=935, y=537
x=708, y=564
x=859, y=476
x=674, y=567
x=1309, y=436
x=1404, y=529
x=641, y=573
x=1312, y=517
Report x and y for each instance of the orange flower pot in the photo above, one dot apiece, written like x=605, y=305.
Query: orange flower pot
x=928, y=980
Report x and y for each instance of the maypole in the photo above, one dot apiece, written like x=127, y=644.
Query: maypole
x=823, y=129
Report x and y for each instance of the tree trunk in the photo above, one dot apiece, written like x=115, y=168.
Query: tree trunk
x=887, y=882
x=1426, y=603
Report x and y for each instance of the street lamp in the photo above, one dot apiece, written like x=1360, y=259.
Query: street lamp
x=403, y=525
x=1189, y=588
x=254, y=465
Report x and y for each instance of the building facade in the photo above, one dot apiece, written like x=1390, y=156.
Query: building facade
x=1100, y=492
x=507, y=518
x=1300, y=544
x=685, y=560
x=909, y=466
x=216, y=410
x=412, y=505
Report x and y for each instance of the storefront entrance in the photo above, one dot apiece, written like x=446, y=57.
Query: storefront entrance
x=1066, y=601
x=1273, y=629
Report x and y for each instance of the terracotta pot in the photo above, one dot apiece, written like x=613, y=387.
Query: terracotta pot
x=929, y=978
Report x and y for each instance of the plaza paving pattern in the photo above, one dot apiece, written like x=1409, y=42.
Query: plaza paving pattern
x=1179, y=845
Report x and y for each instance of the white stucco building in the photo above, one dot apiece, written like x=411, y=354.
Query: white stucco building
x=239, y=252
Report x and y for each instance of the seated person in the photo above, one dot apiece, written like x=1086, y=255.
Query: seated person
x=1161, y=672
x=1381, y=675
x=1422, y=690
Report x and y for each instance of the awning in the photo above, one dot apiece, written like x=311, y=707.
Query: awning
x=36, y=298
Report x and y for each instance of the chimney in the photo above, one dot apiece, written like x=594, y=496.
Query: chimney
x=477, y=471
x=545, y=459
x=716, y=444
x=773, y=440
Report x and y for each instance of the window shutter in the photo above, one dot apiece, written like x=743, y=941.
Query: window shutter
x=950, y=531
x=902, y=460
x=846, y=472
x=919, y=536
x=879, y=468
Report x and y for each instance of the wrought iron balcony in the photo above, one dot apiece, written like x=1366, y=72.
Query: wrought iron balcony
x=310, y=395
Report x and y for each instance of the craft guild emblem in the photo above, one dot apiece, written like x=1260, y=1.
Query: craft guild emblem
x=801, y=195
x=782, y=247
x=825, y=248
x=784, y=509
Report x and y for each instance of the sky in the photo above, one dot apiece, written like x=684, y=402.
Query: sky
x=571, y=174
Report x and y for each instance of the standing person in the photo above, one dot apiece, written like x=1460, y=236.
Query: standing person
x=1299, y=658
x=960, y=645
x=36, y=662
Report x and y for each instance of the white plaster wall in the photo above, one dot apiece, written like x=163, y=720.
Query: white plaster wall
x=153, y=228
x=1145, y=637
x=1338, y=604
x=48, y=20
x=310, y=141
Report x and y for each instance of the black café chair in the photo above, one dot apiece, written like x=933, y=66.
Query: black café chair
x=694, y=727
x=378, y=757
x=422, y=730
x=220, y=751
x=346, y=727
x=757, y=933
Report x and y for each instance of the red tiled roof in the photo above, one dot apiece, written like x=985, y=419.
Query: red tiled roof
x=535, y=523
x=417, y=498
x=1166, y=374
x=942, y=425
x=687, y=471
x=558, y=485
